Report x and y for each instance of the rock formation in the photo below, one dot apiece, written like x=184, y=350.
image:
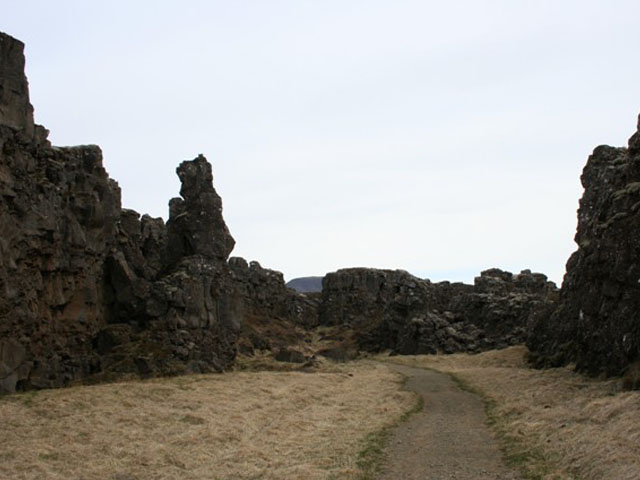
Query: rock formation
x=274, y=315
x=15, y=109
x=596, y=321
x=391, y=309
x=91, y=290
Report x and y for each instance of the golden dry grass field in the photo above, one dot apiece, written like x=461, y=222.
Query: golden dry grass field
x=239, y=425
x=556, y=424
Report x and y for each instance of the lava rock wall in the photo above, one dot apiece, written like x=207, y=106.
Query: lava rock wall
x=597, y=321
x=93, y=291
x=391, y=309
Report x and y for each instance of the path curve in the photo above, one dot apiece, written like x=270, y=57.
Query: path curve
x=447, y=439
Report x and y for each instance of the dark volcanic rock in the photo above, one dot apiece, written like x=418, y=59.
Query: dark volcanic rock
x=88, y=287
x=58, y=211
x=596, y=321
x=16, y=111
x=195, y=225
x=271, y=311
x=375, y=303
x=183, y=304
x=395, y=310
x=92, y=290
x=501, y=305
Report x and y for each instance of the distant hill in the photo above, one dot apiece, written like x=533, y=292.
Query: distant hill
x=306, y=284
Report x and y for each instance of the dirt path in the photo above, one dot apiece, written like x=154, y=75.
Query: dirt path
x=448, y=439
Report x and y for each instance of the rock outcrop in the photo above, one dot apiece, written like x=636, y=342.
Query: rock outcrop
x=195, y=225
x=91, y=290
x=596, y=323
x=391, y=309
x=169, y=287
x=58, y=213
x=274, y=316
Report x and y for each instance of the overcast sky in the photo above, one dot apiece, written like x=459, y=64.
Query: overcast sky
x=442, y=138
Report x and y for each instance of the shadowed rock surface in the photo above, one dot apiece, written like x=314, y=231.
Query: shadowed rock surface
x=15, y=109
x=392, y=309
x=596, y=323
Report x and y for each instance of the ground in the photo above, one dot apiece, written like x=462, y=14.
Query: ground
x=447, y=439
x=328, y=421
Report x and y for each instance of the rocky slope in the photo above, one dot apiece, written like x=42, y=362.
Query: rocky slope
x=391, y=309
x=596, y=321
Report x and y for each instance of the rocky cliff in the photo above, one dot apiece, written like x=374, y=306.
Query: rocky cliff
x=90, y=289
x=596, y=322
x=391, y=309
x=94, y=291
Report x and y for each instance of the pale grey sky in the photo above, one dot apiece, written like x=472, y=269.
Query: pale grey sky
x=442, y=138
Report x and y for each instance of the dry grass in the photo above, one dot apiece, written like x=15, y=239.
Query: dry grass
x=241, y=425
x=556, y=423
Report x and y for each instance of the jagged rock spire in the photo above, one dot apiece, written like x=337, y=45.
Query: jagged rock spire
x=196, y=225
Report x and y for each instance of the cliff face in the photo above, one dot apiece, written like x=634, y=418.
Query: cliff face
x=58, y=211
x=596, y=321
x=394, y=310
x=91, y=290
x=58, y=214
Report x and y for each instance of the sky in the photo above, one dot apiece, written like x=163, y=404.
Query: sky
x=441, y=138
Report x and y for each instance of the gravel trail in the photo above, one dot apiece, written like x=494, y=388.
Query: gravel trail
x=447, y=439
